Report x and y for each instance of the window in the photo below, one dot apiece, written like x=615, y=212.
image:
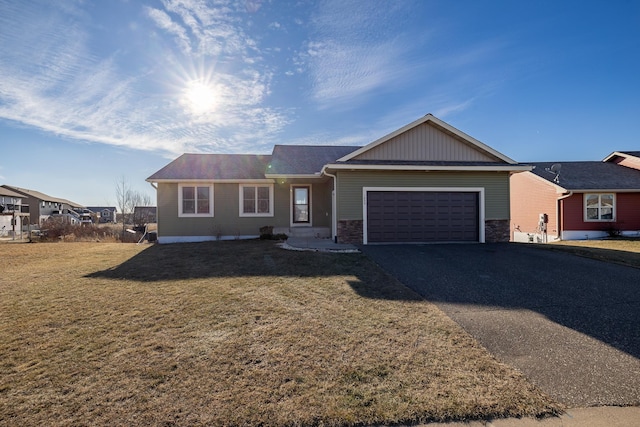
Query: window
x=195, y=200
x=599, y=207
x=256, y=200
x=301, y=205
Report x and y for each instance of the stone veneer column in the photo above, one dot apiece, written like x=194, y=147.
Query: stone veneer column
x=350, y=231
x=496, y=230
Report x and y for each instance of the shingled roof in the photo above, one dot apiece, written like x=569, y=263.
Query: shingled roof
x=592, y=175
x=305, y=159
x=41, y=196
x=193, y=167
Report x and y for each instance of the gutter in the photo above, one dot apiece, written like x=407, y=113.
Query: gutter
x=558, y=218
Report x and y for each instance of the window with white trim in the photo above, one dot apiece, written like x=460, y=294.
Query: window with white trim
x=599, y=207
x=256, y=200
x=195, y=200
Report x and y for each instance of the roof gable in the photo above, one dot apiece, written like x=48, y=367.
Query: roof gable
x=304, y=159
x=428, y=139
x=630, y=159
x=206, y=167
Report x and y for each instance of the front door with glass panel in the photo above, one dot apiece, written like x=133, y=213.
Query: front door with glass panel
x=301, y=205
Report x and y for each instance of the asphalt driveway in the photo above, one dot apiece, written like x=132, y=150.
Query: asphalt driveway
x=570, y=324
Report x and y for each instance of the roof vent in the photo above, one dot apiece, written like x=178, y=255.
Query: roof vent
x=555, y=169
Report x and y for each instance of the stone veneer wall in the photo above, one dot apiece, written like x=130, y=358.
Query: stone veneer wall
x=497, y=230
x=350, y=231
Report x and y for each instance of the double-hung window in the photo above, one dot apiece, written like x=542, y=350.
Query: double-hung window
x=256, y=200
x=195, y=200
x=599, y=207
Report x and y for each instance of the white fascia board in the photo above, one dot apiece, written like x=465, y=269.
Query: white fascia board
x=496, y=168
x=428, y=118
x=615, y=153
x=292, y=176
x=221, y=181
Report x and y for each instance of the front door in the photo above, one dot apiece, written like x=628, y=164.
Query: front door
x=301, y=205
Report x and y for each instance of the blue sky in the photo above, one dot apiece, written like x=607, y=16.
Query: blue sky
x=92, y=91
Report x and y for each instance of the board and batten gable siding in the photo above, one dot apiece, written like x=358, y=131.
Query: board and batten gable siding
x=350, y=184
x=426, y=142
x=226, y=220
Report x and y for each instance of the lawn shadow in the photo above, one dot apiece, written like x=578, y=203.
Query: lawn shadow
x=597, y=298
x=255, y=258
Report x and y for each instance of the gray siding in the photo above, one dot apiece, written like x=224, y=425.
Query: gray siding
x=227, y=221
x=350, y=184
x=426, y=142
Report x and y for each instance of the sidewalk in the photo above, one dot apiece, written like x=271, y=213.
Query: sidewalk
x=603, y=416
x=317, y=245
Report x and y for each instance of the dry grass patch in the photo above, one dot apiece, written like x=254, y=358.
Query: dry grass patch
x=232, y=333
x=620, y=250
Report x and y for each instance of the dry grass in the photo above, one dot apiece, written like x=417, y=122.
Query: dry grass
x=232, y=333
x=620, y=250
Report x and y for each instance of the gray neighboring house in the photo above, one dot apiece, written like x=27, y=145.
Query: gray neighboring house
x=14, y=212
x=42, y=206
x=105, y=213
x=425, y=182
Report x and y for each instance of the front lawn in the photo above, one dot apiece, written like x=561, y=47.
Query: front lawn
x=620, y=250
x=232, y=333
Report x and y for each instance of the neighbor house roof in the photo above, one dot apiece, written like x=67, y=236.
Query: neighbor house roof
x=306, y=160
x=589, y=176
x=97, y=209
x=619, y=155
x=211, y=167
x=5, y=192
x=41, y=196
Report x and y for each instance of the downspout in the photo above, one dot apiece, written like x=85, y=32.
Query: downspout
x=558, y=217
x=334, y=209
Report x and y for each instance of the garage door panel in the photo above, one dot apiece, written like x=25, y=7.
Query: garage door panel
x=419, y=216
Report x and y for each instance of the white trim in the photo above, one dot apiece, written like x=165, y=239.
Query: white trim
x=195, y=185
x=599, y=194
x=493, y=168
x=479, y=190
x=334, y=207
x=291, y=196
x=428, y=118
x=241, y=212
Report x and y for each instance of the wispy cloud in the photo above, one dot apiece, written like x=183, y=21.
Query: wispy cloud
x=350, y=53
x=362, y=49
x=51, y=79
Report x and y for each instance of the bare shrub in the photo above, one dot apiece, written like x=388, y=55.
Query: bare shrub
x=57, y=229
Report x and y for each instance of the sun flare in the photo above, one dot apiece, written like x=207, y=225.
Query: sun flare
x=200, y=97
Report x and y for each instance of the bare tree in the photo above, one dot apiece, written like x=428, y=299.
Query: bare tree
x=128, y=199
x=123, y=198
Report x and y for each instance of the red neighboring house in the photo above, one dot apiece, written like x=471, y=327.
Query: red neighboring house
x=578, y=200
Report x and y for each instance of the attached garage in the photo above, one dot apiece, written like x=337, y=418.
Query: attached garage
x=422, y=215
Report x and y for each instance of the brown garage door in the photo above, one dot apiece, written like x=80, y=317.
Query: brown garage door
x=422, y=216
